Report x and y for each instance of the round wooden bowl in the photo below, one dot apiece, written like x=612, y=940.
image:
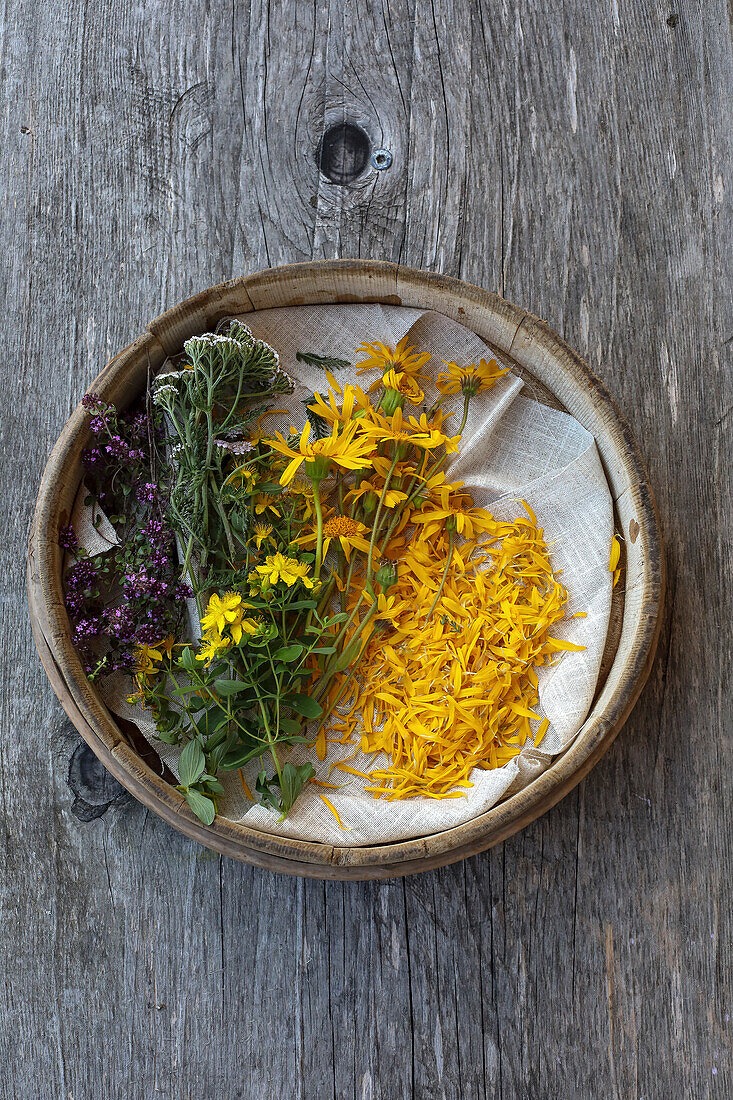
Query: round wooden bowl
x=553, y=370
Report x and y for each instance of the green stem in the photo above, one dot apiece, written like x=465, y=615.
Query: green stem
x=369, y=582
x=466, y=403
x=319, y=528
x=448, y=560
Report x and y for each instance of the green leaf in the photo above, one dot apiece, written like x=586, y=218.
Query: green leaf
x=289, y=726
x=187, y=659
x=328, y=362
x=212, y=722
x=294, y=779
x=268, y=797
x=237, y=758
x=301, y=605
x=230, y=687
x=288, y=653
x=324, y=649
x=202, y=806
x=191, y=763
x=303, y=704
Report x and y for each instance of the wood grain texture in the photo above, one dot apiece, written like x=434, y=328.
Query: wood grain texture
x=574, y=157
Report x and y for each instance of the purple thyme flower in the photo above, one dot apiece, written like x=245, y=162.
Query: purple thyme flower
x=92, y=457
x=118, y=448
x=147, y=492
x=80, y=577
x=68, y=539
x=86, y=628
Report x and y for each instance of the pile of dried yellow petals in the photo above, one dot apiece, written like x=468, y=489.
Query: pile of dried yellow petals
x=444, y=694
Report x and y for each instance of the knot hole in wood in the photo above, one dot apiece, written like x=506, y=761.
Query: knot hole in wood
x=343, y=153
x=94, y=789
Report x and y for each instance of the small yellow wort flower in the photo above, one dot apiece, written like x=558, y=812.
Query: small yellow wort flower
x=469, y=380
x=277, y=567
x=348, y=532
x=146, y=658
x=261, y=533
x=265, y=502
x=383, y=358
x=212, y=644
x=221, y=612
x=340, y=448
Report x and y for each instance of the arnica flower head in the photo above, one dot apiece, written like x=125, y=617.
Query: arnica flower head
x=398, y=388
x=470, y=380
x=341, y=448
x=343, y=405
x=457, y=513
x=400, y=430
x=381, y=357
x=348, y=532
x=369, y=493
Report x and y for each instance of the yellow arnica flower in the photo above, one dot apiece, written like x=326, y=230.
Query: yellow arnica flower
x=398, y=429
x=383, y=358
x=277, y=567
x=392, y=497
x=403, y=384
x=221, y=612
x=261, y=533
x=469, y=380
x=458, y=512
x=352, y=400
x=348, y=532
x=340, y=448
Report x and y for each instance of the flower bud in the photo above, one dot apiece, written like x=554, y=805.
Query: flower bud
x=387, y=574
x=391, y=401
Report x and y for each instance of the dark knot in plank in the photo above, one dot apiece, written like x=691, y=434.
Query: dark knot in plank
x=94, y=789
x=343, y=153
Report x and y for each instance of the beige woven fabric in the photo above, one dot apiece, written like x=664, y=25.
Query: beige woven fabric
x=512, y=447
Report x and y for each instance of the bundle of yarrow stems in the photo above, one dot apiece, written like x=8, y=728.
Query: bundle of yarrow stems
x=347, y=591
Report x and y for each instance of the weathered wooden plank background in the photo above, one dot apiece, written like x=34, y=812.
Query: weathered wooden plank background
x=574, y=156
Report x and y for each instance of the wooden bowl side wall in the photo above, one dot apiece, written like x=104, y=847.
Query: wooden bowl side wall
x=511, y=331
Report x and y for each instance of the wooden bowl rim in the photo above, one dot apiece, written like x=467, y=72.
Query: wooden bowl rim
x=303, y=283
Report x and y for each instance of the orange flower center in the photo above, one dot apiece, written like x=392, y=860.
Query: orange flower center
x=341, y=525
